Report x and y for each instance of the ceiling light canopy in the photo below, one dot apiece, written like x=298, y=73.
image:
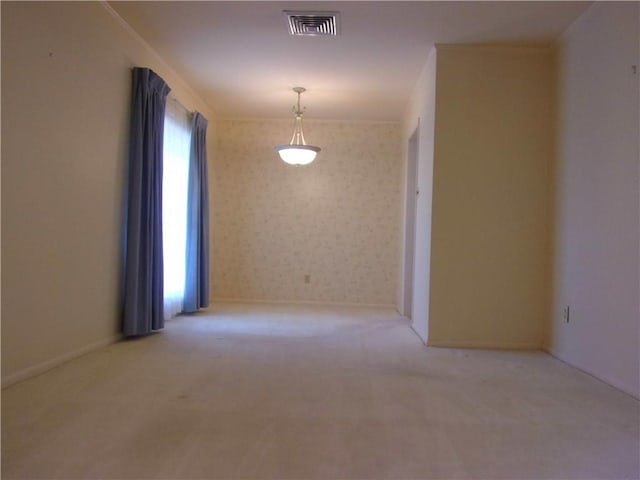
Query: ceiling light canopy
x=297, y=152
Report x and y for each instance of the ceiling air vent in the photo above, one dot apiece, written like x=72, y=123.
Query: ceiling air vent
x=312, y=23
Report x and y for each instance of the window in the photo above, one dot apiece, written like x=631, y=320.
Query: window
x=175, y=180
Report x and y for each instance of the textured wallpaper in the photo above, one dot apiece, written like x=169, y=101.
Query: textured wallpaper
x=336, y=220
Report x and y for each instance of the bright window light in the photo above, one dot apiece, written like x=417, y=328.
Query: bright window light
x=175, y=179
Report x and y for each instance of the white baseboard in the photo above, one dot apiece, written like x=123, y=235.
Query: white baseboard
x=485, y=345
x=252, y=301
x=423, y=340
x=609, y=381
x=54, y=362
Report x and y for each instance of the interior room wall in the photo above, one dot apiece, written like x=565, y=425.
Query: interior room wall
x=420, y=115
x=595, y=266
x=335, y=220
x=490, y=244
x=66, y=74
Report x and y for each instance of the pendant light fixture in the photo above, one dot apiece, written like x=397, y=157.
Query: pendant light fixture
x=297, y=152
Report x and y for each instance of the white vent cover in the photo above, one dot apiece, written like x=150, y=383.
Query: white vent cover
x=312, y=23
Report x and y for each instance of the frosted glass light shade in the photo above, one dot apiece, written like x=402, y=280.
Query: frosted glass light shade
x=297, y=154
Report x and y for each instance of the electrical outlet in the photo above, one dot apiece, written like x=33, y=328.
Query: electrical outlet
x=565, y=314
x=307, y=279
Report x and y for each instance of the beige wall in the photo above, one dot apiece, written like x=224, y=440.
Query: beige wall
x=421, y=116
x=491, y=197
x=335, y=220
x=597, y=196
x=65, y=102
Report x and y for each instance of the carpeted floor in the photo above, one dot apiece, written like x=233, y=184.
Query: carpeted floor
x=293, y=392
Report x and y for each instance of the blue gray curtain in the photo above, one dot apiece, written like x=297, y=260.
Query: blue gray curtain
x=196, y=292
x=143, y=270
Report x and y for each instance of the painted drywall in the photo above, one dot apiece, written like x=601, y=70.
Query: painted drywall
x=421, y=116
x=65, y=103
x=595, y=267
x=490, y=244
x=335, y=220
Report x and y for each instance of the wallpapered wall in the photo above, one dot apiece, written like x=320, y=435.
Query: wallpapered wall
x=336, y=220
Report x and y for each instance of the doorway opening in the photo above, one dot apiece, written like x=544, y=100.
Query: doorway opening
x=412, y=193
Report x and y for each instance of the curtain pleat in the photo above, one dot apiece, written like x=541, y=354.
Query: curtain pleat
x=196, y=293
x=143, y=282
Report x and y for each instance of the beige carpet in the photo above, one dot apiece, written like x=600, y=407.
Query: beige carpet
x=313, y=393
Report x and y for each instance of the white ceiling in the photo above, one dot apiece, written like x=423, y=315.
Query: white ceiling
x=239, y=57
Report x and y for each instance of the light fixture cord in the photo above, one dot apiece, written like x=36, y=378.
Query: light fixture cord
x=298, y=136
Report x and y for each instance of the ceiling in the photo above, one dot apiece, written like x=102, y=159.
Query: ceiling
x=240, y=59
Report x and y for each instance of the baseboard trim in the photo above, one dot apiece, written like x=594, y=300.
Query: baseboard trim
x=611, y=382
x=253, y=301
x=485, y=345
x=36, y=370
x=423, y=340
